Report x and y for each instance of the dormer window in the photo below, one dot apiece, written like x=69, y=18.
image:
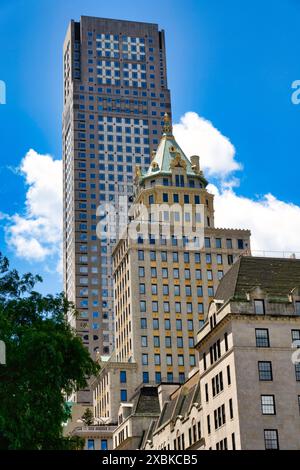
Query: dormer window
x=179, y=180
x=259, y=307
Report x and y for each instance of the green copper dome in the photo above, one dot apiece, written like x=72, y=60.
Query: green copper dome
x=169, y=156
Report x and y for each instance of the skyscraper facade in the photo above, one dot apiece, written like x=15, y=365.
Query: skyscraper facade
x=115, y=96
x=163, y=284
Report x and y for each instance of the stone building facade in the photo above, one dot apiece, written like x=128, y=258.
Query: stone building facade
x=249, y=365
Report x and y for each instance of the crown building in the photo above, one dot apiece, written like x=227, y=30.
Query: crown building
x=162, y=284
x=115, y=95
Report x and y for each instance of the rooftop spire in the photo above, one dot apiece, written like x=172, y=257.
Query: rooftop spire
x=167, y=128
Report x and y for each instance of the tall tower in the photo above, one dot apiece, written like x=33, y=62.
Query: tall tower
x=163, y=282
x=115, y=96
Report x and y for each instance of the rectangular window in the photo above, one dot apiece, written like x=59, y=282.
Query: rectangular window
x=123, y=377
x=142, y=288
x=297, y=308
x=123, y=395
x=187, y=274
x=141, y=271
x=145, y=377
x=177, y=291
x=218, y=243
x=165, y=289
x=296, y=338
x=157, y=359
x=229, y=243
x=240, y=244
x=208, y=424
x=180, y=360
x=262, y=338
x=145, y=359
x=157, y=377
x=91, y=444
x=198, y=274
x=206, y=392
x=271, y=439
x=154, y=289
x=226, y=341
x=176, y=273
x=204, y=361
x=207, y=242
x=210, y=291
x=230, y=259
x=228, y=375
x=265, y=370
x=268, y=405
x=297, y=372
x=104, y=444
x=230, y=409
x=259, y=307
x=233, y=441
x=169, y=359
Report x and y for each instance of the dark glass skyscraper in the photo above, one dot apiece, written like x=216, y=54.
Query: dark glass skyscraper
x=115, y=97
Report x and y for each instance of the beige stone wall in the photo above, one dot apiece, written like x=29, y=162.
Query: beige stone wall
x=284, y=386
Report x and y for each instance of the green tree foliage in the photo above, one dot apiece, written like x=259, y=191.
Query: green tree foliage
x=88, y=417
x=45, y=362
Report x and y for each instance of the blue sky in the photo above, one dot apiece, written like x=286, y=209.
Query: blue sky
x=231, y=62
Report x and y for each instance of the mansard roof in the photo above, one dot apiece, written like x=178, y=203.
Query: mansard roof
x=277, y=277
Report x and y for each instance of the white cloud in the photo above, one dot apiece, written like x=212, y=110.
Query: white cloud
x=197, y=135
x=36, y=235
x=275, y=224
